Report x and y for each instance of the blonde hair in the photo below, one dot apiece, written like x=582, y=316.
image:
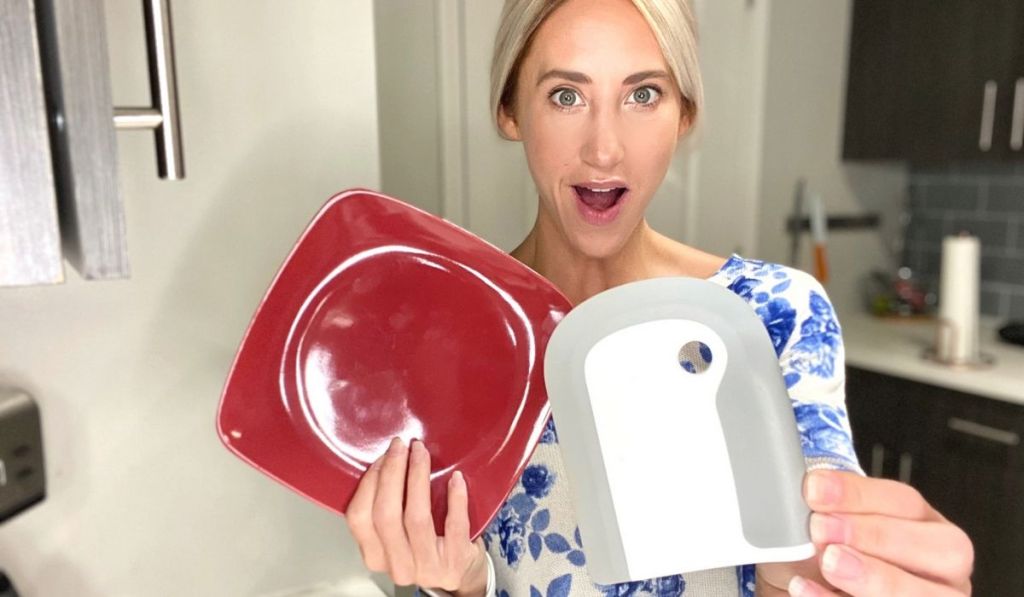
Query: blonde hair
x=672, y=22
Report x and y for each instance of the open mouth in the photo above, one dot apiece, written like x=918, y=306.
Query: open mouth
x=599, y=199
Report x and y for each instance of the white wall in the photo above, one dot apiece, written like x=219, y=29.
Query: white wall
x=724, y=176
x=408, y=100
x=805, y=100
x=439, y=148
x=278, y=104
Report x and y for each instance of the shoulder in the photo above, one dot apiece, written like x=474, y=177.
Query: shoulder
x=792, y=304
x=760, y=282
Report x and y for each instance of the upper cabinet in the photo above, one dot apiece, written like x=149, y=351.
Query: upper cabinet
x=59, y=191
x=933, y=82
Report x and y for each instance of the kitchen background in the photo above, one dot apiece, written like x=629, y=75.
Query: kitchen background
x=284, y=103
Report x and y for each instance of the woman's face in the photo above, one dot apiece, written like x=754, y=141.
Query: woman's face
x=599, y=115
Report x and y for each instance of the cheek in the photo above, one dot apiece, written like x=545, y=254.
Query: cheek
x=552, y=149
x=649, y=147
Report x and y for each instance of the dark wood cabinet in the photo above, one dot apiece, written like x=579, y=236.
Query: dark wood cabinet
x=962, y=452
x=935, y=81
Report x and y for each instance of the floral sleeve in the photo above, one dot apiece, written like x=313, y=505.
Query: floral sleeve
x=813, y=365
x=807, y=337
x=802, y=325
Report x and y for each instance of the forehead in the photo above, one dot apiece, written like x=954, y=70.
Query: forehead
x=596, y=37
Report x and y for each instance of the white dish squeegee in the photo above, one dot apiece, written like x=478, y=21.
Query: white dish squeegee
x=677, y=433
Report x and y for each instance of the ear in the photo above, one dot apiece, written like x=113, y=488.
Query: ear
x=507, y=123
x=684, y=124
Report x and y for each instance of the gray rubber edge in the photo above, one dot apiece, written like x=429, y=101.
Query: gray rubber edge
x=755, y=409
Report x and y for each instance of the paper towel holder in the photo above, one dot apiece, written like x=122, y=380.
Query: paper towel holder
x=946, y=337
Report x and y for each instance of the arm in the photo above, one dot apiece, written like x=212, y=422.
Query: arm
x=873, y=536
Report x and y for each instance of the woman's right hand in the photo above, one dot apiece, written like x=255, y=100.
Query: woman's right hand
x=404, y=544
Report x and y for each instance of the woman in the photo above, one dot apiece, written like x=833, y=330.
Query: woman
x=599, y=92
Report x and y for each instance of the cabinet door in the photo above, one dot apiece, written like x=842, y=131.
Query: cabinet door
x=960, y=53
x=880, y=420
x=30, y=251
x=876, y=93
x=1015, y=85
x=931, y=81
x=975, y=477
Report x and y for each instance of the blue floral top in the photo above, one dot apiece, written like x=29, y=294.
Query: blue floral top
x=534, y=540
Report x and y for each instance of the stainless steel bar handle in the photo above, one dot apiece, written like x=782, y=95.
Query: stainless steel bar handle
x=163, y=83
x=877, y=460
x=1000, y=436
x=906, y=465
x=137, y=118
x=988, y=114
x=1017, y=126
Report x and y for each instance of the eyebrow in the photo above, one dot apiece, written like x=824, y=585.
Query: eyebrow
x=582, y=79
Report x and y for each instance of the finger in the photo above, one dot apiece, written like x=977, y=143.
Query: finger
x=862, y=575
x=805, y=587
x=387, y=514
x=456, y=523
x=900, y=542
x=841, y=491
x=776, y=575
x=359, y=516
x=419, y=522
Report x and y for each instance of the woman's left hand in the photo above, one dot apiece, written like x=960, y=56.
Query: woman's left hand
x=873, y=537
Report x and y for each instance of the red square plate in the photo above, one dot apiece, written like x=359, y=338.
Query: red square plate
x=387, y=321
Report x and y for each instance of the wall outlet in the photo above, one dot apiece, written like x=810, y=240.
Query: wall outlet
x=22, y=477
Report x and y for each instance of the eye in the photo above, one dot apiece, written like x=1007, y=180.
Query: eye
x=565, y=98
x=646, y=96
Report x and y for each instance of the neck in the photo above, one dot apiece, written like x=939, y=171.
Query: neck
x=645, y=254
x=579, y=276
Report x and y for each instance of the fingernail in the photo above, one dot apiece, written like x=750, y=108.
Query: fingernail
x=456, y=479
x=797, y=586
x=828, y=529
x=418, y=449
x=396, y=444
x=822, y=489
x=841, y=562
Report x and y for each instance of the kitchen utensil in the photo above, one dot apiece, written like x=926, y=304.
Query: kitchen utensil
x=677, y=432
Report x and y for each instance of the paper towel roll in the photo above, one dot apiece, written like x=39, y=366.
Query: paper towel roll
x=958, y=299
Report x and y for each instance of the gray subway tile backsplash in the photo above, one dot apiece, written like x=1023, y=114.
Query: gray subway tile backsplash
x=1005, y=197
x=1015, y=308
x=993, y=234
x=991, y=300
x=954, y=196
x=1007, y=270
x=986, y=200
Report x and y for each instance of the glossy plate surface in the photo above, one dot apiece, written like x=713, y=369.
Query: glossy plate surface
x=387, y=321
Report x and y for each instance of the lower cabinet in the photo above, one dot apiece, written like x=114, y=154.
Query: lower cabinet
x=962, y=452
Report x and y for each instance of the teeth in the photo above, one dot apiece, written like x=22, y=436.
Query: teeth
x=599, y=190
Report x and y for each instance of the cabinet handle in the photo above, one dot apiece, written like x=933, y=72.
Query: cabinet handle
x=877, y=460
x=906, y=464
x=988, y=114
x=1017, y=128
x=163, y=117
x=974, y=429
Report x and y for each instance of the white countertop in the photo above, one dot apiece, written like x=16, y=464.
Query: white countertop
x=894, y=347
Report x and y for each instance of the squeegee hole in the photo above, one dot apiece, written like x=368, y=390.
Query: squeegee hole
x=695, y=357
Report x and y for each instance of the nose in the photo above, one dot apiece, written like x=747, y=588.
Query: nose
x=603, y=148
